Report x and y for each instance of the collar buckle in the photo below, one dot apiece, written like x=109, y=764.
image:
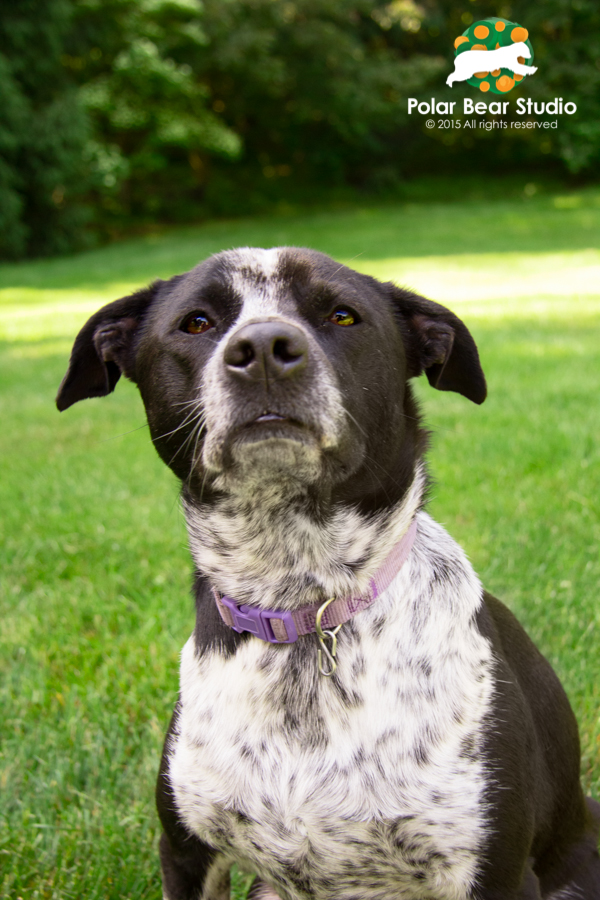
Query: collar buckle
x=276, y=626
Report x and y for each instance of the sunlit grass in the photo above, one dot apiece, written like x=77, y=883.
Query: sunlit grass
x=488, y=285
x=537, y=256
x=95, y=571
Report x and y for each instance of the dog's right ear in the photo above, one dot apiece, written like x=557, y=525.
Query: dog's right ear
x=439, y=344
x=105, y=348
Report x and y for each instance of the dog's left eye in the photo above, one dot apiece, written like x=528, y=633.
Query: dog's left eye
x=196, y=323
x=343, y=316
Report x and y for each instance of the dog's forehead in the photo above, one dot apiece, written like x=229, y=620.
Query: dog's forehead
x=271, y=281
x=254, y=276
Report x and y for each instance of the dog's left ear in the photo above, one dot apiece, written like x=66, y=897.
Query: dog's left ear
x=104, y=349
x=438, y=343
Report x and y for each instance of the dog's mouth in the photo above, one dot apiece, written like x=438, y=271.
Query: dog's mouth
x=271, y=425
x=271, y=417
x=271, y=441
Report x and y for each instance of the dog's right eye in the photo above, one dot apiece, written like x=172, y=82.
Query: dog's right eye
x=196, y=323
x=344, y=316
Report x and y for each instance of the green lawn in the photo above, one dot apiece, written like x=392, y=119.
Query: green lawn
x=95, y=571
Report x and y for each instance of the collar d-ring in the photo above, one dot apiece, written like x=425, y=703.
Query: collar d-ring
x=323, y=636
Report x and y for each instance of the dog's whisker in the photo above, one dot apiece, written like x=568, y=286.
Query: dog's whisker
x=194, y=453
x=358, y=425
x=370, y=469
x=196, y=422
x=192, y=402
x=194, y=461
x=368, y=456
x=123, y=434
x=199, y=424
x=203, y=485
x=343, y=266
x=185, y=422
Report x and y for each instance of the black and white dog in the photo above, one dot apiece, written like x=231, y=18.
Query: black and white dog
x=430, y=755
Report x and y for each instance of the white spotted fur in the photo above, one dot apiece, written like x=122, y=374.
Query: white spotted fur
x=423, y=685
x=274, y=555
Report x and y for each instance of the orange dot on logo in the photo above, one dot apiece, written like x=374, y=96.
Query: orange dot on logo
x=481, y=31
x=505, y=84
x=518, y=78
x=495, y=73
x=478, y=47
x=484, y=86
x=521, y=59
x=519, y=34
x=499, y=26
x=460, y=40
x=481, y=74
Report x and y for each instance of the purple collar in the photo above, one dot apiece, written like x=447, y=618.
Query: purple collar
x=282, y=626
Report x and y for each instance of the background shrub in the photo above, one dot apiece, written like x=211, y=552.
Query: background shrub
x=43, y=130
x=126, y=112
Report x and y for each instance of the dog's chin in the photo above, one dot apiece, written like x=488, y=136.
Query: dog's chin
x=277, y=460
x=278, y=456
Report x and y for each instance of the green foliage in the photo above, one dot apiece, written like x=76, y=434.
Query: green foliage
x=149, y=110
x=42, y=132
x=314, y=88
x=137, y=111
x=566, y=41
x=567, y=45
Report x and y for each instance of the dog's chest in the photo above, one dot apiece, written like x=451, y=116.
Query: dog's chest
x=321, y=785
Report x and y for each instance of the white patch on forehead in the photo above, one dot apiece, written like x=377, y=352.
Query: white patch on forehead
x=263, y=261
x=253, y=279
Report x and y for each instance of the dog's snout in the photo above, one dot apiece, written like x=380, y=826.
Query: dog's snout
x=266, y=350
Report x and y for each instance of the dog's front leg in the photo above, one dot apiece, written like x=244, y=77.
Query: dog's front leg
x=191, y=870
x=495, y=887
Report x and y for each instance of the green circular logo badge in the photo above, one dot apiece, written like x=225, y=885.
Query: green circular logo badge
x=489, y=35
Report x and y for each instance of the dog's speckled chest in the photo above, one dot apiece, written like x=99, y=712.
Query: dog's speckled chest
x=321, y=785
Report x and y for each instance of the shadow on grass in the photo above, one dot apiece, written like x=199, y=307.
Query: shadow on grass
x=537, y=225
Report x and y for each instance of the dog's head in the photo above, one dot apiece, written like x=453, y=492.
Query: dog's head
x=278, y=367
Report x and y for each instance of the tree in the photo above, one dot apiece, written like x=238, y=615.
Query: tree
x=150, y=115
x=42, y=132
x=121, y=112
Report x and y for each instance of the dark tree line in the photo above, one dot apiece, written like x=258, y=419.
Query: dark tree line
x=117, y=112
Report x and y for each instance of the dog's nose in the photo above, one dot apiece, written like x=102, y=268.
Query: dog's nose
x=260, y=351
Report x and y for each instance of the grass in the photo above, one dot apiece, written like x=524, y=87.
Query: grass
x=94, y=591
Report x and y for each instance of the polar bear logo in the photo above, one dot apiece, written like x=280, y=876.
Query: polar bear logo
x=501, y=66
x=471, y=62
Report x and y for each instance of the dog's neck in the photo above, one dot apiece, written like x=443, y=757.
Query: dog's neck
x=280, y=555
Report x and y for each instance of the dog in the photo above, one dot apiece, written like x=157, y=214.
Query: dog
x=470, y=62
x=357, y=717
